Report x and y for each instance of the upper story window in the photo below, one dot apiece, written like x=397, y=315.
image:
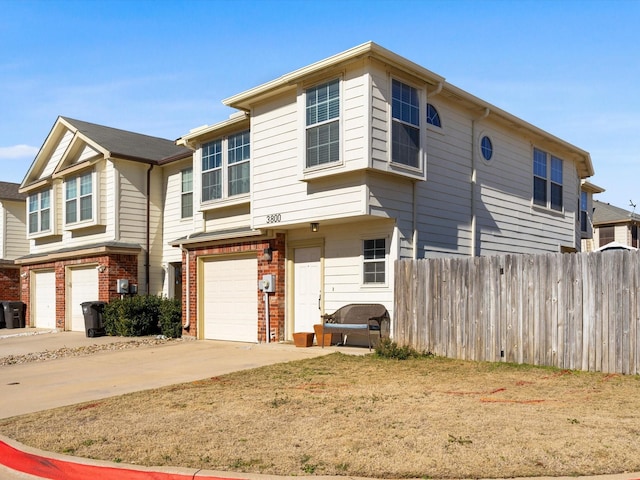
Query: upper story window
x=374, y=261
x=212, y=170
x=323, y=124
x=226, y=167
x=433, y=117
x=239, y=155
x=40, y=212
x=584, y=214
x=186, y=197
x=405, y=111
x=547, y=180
x=486, y=147
x=78, y=199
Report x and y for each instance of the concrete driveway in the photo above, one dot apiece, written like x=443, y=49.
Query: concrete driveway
x=36, y=386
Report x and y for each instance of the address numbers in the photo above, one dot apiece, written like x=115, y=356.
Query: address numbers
x=274, y=218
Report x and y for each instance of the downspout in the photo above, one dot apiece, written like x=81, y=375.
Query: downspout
x=187, y=324
x=474, y=173
x=147, y=255
x=415, y=221
x=414, y=218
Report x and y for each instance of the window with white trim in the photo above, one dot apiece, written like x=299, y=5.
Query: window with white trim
x=239, y=154
x=212, y=170
x=374, y=261
x=78, y=199
x=584, y=214
x=40, y=212
x=547, y=180
x=226, y=167
x=433, y=117
x=186, y=197
x=405, y=112
x=323, y=124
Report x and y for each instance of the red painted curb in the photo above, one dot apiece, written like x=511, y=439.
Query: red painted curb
x=54, y=469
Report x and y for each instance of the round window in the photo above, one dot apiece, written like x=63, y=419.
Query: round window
x=487, y=148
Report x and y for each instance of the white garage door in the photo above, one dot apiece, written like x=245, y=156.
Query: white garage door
x=83, y=288
x=43, y=300
x=230, y=299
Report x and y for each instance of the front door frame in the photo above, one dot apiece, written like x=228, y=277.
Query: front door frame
x=290, y=295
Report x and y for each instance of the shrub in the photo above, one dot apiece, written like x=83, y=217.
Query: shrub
x=142, y=315
x=388, y=349
x=171, y=318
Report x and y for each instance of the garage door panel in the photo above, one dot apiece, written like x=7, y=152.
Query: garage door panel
x=230, y=299
x=43, y=300
x=83, y=288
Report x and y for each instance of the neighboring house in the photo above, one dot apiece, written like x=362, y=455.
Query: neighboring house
x=94, y=215
x=614, y=224
x=587, y=191
x=327, y=175
x=13, y=240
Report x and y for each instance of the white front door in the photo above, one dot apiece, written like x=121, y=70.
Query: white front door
x=308, y=288
x=82, y=288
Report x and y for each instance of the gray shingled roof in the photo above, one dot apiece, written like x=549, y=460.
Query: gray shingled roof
x=129, y=145
x=604, y=213
x=9, y=191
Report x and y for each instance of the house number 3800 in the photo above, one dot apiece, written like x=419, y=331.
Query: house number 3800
x=274, y=218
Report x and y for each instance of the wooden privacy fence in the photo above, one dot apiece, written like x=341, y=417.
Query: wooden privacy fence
x=574, y=311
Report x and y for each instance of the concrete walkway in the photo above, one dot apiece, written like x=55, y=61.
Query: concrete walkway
x=36, y=386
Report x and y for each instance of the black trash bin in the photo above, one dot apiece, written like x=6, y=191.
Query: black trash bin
x=14, y=314
x=92, y=311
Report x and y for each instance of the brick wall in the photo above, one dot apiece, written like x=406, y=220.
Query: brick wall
x=10, y=284
x=116, y=266
x=274, y=266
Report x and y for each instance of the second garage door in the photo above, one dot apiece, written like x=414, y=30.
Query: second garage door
x=230, y=299
x=83, y=288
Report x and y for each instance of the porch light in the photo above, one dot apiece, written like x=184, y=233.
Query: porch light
x=315, y=226
x=267, y=254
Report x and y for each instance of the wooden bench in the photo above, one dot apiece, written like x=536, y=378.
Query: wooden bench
x=355, y=317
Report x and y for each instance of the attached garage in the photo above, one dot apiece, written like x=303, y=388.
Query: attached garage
x=229, y=298
x=82, y=287
x=43, y=299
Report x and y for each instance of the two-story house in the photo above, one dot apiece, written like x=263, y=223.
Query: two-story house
x=614, y=226
x=13, y=240
x=327, y=175
x=94, y=215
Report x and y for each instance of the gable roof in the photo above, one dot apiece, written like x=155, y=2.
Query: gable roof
x=439, y=86
x=606, y=214
x=128, y=145
x=76, y=141
x=9, y=191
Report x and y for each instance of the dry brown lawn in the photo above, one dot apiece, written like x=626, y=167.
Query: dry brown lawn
x=363, y=416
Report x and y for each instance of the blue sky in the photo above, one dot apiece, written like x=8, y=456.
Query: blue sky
x=162, y=67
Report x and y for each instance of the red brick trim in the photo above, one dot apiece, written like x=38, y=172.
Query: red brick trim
x=275, y=266
x=115, y=266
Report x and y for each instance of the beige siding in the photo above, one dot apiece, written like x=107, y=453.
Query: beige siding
x=506, y=221
x=276, y=188
x=57, y=154
x=231, y=217
x=343, y=262
x=104, y=231
x=174, y=226
x=444, y=200
x=15, y=234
